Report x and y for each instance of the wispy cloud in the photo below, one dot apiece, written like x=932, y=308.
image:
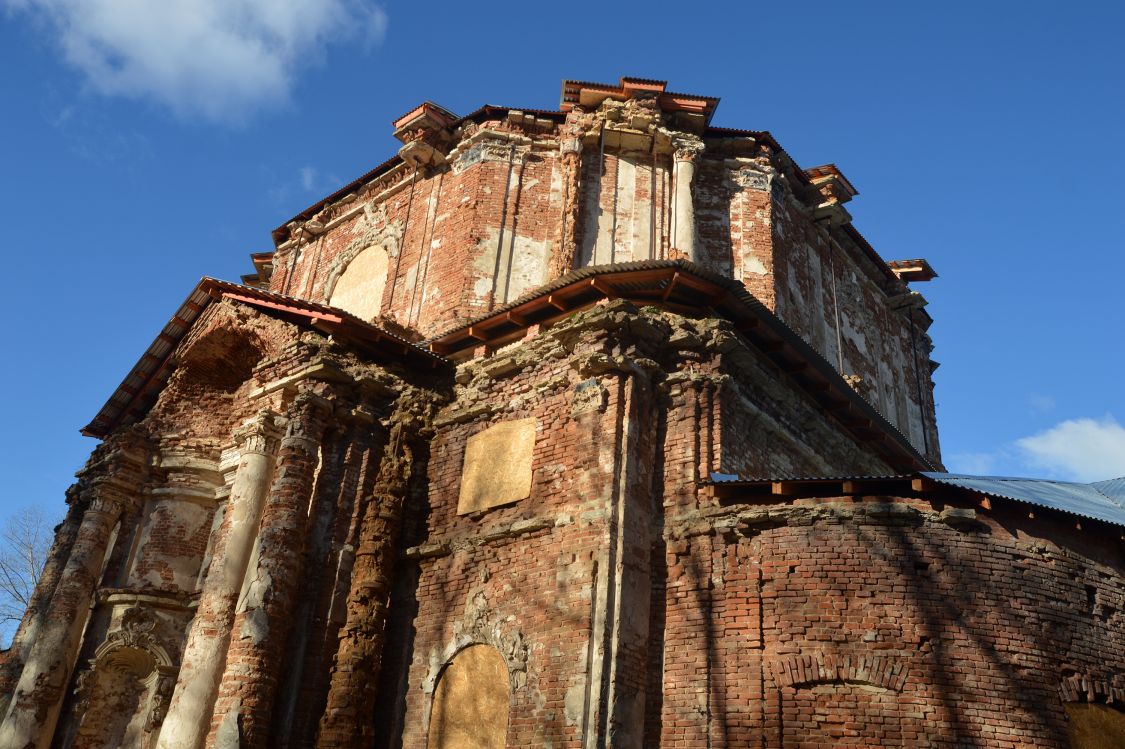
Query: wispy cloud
x=1041, y=404
x=91, y=135
x=307, y=183
x=1079, y=449
x=977, y=464
x=216, y=60
x=1073, y=450
x=308, y=178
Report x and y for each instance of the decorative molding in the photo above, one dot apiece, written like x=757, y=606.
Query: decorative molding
x=589, y=397
x=480, y=625
x=686, y=147
x=131, y=649
x=135, y=633
x=375, y=230
x=751, y=178
x=489, y=145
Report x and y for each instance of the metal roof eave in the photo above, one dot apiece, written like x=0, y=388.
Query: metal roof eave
x=151, y=370
x=679, y=285
x=1102, y=501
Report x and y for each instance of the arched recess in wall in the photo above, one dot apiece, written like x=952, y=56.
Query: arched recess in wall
x=359, y=289
x=1093, y=725
x=1095, y=718
x=470, y=707
x=121, y=698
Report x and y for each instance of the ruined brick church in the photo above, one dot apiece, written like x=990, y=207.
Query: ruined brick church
x=593, y=427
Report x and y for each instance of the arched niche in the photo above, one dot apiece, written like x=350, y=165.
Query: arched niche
x=359, y=289
x=122, y=697
x=1093, y=725
x=470, y=707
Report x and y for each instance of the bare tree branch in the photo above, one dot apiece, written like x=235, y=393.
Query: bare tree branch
x=24, y=545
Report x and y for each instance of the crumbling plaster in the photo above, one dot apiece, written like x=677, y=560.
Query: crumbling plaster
x=274, y=548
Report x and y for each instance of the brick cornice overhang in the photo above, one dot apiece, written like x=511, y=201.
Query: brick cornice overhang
x=137, y=392
x=681, y=286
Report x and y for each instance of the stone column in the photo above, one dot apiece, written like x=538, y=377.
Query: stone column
x=189, y=713
x=348, y=719
x=261, y=628
x=110, y=484
x=687, y=149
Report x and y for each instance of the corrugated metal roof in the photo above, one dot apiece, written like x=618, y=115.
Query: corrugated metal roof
x=1104, y=500
x=734, y=479
x=1113, y=488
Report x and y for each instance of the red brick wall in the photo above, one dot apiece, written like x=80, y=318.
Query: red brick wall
x=470, y=236
x=876, y=338
x=534, y=587
x=840, y=623
x=448, y=225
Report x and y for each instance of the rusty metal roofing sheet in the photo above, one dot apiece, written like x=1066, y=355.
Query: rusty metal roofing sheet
x=297, y=303
x=1104, y=500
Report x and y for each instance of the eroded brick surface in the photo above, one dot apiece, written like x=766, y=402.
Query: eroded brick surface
x=267, y=549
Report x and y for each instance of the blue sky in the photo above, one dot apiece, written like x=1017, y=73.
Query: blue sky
x=148, y=144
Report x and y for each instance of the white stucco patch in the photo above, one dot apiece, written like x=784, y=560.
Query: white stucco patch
x=753, y=264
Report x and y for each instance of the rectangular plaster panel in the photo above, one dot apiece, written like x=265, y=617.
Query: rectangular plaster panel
x=497, y=467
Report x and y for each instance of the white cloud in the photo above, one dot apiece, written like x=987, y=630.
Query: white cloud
x=975, y=464
x=217, y=60
x=308, y=178
x=1079, y=449
x=298, y=186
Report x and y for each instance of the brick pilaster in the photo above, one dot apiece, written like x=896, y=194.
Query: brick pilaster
x=348, y=717
x=263, y=622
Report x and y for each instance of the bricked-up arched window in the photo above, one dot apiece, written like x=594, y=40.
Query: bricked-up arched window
x=1095, y=726
x=359, y=289
x=470, y=708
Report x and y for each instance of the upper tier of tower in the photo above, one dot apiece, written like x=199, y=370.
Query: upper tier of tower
x=476, y=210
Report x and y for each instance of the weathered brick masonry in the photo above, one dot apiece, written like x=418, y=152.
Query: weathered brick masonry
x=454, y=468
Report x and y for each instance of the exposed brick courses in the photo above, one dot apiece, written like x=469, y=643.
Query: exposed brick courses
x=267, y=549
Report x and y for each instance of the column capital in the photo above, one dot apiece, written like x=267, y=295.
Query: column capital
x=112, y=506
x=686, y=147
x=308, y=417
x=261, y=433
